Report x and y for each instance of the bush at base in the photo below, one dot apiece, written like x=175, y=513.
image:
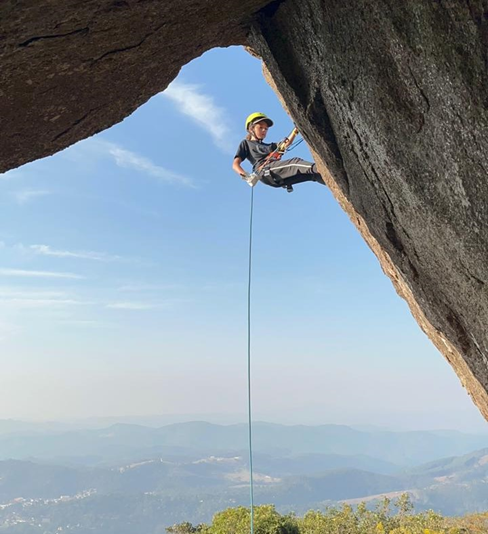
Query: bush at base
x=389, y=517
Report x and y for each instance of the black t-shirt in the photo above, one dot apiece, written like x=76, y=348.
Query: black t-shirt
x=254, y=151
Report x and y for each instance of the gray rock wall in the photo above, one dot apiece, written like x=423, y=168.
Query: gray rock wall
x=392, y=97
x=70, y=68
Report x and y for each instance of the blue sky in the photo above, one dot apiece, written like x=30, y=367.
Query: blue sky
x=123, y=280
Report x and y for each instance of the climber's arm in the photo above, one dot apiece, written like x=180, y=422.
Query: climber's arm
x=236, y=167
x=288, y=140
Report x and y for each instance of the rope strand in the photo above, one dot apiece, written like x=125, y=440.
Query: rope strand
x=249, y=406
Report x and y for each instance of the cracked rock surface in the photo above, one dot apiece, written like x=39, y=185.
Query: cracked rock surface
x=391, y=96
x=70, y=69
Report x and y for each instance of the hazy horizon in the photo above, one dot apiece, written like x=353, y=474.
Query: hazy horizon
x=407, y=424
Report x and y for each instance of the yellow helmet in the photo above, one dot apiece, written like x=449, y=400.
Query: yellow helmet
x=257, y=117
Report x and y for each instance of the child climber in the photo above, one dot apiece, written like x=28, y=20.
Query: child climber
x=266, y=159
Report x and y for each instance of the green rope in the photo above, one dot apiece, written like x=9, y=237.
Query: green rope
x=251, y=483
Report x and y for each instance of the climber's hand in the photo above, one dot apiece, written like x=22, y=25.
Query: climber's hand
x=251, y=178
x=283, y=145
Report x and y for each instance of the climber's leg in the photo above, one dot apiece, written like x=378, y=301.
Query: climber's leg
x=292, y=171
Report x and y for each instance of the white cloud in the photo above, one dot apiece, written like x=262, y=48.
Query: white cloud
x=202, y=109
x=130, y=306
x=85, y=323
x=27, y=298
x=131, y=160
x=90, y=150
x=39, y=274
x=46, y=250
x=24, y=196
x=8, y=292
x=32, y=303
x=151, y=287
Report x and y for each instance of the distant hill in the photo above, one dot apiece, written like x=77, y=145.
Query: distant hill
x=123, y=442
x=177, y=489
x=314, y=463
x=473, y=465
x=31, y=480
x=457, y=484
x=282, y=480
x=34, y=480
x=334, y=485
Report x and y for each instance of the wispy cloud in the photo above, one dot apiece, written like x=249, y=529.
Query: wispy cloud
x=33, y=303
x=149, y=304
x=24, y=196
x=203, y=110
x=46, y=250
x=85, y=323
x=23, y=298
x=8, y=292
x=136, y=306
x=39, y=274
x=150, y=287
x=131, y=160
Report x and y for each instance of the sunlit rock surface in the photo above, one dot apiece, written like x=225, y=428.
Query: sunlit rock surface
x=391, y=96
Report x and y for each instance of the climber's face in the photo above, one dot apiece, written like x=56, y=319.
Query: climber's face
x=260, y=129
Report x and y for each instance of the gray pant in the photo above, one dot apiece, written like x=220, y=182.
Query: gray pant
x=287, y=172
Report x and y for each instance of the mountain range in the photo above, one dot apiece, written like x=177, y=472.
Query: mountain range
x=144, y=478
x=122, y=442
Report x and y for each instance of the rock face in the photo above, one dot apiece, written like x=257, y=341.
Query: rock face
x=70, y=69
x=391, y=96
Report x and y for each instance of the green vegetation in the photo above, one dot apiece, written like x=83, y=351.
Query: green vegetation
x=388, y=517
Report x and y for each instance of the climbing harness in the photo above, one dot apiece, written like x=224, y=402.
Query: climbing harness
x=249, y=406
x=283, y=146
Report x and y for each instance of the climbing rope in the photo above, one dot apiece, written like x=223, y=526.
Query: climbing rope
x=294, y=145
x=249, y=404
x=249, y=410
